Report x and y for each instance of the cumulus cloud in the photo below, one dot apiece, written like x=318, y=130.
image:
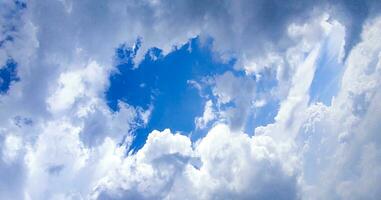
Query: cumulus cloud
x=167, y=168
x=330, y=153
x=60, y=140
x=343, y=137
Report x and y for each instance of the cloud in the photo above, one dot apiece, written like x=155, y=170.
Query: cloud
x=329, y=152
x=347, y=130
x=225, y=89
x=174, y=23
x=165, y=168
x=60, y=140
x=207, y=116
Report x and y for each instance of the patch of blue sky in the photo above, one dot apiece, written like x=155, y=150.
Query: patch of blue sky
x=326, y=82
x=8, y=75
x=264, y=114
x=162, y=82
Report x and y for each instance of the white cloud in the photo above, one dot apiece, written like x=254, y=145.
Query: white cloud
x=331, y=152
x=208, y=116
x=317, y=161
x=151, y=172
x=11, y=148
x=344, y=140
x=78, y=85
x=59, y=140
x=165, y=168
x=54, y=161
x=240, y=91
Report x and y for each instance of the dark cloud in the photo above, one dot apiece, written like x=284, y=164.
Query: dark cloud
x=353, y=14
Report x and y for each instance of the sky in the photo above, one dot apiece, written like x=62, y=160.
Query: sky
x=159, y=99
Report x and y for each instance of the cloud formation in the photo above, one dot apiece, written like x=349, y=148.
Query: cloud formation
x=165, y=168
x=59, y=139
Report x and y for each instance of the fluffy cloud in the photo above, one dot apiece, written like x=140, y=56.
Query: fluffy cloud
x=59, y=139
x=168, y=167
x=328, y=152
x=342, y=139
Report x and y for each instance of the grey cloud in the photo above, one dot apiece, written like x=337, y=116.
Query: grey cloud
x=237, y=90
x=245, y=29
x=55, y=37
x=353, y=14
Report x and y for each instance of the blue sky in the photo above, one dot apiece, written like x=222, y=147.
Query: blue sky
x=326, y=81
x=164, y=84
x=8, y=75
x=161, y=99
